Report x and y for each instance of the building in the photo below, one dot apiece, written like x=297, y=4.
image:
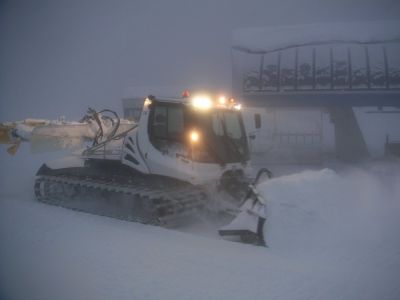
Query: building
x=339, y=71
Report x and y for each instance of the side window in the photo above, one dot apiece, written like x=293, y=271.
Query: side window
x=167, y=123
x=159, y=126
x=257, y=121
x=175, y=123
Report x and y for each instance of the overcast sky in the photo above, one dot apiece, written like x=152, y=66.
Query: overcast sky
x=58, y=57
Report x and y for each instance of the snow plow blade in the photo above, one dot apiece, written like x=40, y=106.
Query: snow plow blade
x=248, y=225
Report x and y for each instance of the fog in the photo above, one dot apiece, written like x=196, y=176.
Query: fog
x=58, y=57
x=332, y=234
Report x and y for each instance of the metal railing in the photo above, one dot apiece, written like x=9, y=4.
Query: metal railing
x=339, y=71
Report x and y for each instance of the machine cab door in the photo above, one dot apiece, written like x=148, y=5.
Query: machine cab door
x=167, y=152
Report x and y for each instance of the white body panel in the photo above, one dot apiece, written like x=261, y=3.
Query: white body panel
x=177, y=163
x=133, y=154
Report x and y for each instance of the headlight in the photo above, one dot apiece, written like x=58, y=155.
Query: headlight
x=194, y=136
x=222, y=100
x=147, y=102
x=237, y=106
x=202, y=102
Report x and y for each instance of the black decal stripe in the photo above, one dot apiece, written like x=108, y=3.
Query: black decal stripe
x=130, y=148
x=131, y=159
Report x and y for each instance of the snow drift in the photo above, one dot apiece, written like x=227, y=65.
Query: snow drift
x=316, y=209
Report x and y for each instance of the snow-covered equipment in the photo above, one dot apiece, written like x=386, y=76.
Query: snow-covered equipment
x=168, y=164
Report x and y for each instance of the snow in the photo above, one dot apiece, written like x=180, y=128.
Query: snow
x=376, y=125
x=71, y=161
x=274, y=38
x=331, y=235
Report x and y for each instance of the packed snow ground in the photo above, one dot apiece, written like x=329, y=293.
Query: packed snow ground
x=331, y=235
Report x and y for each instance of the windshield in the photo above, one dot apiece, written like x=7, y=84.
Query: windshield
x=227, y=123
x=224, y=139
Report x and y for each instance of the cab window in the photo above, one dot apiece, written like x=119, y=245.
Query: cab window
x=167, y=123
x=159, y=124
x=175, y=126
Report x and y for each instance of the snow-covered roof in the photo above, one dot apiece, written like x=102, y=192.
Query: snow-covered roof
x=276, y=38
